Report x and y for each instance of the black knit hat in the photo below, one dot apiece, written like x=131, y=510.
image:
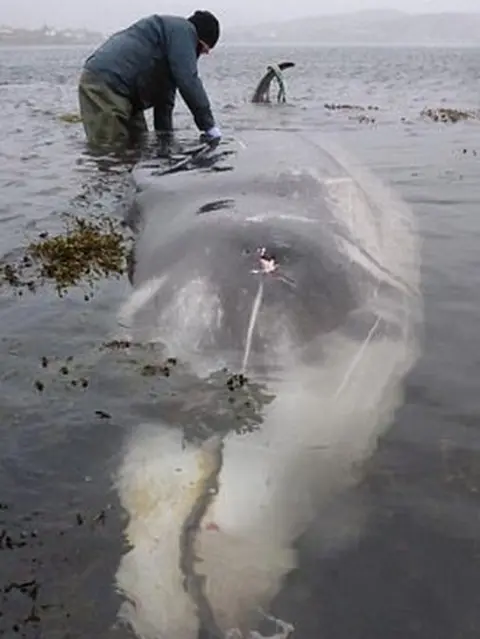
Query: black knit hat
x=207, y=26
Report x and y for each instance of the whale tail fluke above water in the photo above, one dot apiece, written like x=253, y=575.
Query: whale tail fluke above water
x=274, y=72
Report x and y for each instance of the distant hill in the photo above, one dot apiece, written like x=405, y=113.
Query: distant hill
x=367, y=28
x=360, y=28
x=47, y=35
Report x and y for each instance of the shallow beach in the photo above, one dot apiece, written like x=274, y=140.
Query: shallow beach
x=415, y=571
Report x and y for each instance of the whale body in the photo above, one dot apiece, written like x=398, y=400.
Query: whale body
x=285, y=264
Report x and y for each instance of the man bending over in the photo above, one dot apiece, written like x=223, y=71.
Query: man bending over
x=142, y=67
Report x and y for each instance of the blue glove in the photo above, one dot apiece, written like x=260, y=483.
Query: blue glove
x=212, y=136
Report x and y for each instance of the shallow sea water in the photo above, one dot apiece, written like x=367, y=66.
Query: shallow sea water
x=416, y=570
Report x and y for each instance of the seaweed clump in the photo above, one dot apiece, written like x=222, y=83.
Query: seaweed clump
x=360, y=111
x=90, y=249
x=448, y=115
x=350, y=107
x=150, y=370
x=70, y=118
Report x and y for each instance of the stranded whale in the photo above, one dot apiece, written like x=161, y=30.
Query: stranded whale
x=291, y=268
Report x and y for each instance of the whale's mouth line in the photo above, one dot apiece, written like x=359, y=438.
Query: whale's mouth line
x=193, y=583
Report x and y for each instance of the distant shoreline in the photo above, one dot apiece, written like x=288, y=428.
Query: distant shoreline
x=352, y=45
x=265, y=44
x=233, y=44
x=368, y=28
x=32, y=45
x=11, y=37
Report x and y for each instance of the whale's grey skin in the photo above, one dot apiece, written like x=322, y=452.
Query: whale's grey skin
x=210, y=225
x=333, y=340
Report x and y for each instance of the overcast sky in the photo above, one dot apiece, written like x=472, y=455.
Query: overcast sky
x=108, y=15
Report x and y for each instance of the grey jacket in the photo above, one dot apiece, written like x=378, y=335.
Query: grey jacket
x=148, y=61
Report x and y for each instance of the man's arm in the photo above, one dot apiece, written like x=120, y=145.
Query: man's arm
x=182, y=58
x=163, y=112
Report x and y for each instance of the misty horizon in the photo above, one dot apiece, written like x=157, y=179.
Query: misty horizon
x=107, y=15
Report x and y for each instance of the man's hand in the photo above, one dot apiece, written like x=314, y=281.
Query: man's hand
x=212, y=136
